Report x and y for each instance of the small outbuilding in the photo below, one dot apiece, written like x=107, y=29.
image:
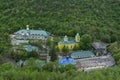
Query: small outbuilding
x=99, y=48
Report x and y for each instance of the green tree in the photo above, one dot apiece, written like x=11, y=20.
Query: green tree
x=53, y=52
x=49, y=67
x=65, y=50
x=75, y=48
x=85, y=42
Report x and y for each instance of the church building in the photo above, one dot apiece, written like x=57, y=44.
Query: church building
x=70, y=44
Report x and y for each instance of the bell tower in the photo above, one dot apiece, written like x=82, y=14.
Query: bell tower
x=28, y=30
x=77, y=37
x=65, y=38
x=27, y=27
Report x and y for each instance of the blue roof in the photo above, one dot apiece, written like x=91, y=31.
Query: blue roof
x=83, y=54
x=67, y=61
x=67, y=42
x=40, y=32
x=30, y=48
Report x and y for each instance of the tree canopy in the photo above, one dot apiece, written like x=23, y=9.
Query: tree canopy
x=98, y=18
x=85, y=42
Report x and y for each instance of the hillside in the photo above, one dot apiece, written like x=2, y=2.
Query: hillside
x=99, y=18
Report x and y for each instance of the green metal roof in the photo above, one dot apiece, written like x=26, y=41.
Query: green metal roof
x=83, y=54
x=30, y=48
x=67, y=42
x=65, y=36
x=32, y=32
x=77, y=34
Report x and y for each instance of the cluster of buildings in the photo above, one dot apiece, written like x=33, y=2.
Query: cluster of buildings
x=25, y=35
x=97, y=58
x=83, y=60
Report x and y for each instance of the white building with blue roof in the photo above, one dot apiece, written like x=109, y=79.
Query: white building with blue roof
x=31, y=34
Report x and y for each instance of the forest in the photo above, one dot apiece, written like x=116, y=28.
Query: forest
x=98, y=18
x=52, y=71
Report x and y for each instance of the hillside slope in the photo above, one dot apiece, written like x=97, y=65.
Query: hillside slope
x=99, y=18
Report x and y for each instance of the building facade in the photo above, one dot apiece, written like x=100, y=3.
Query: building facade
x=70, y=44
